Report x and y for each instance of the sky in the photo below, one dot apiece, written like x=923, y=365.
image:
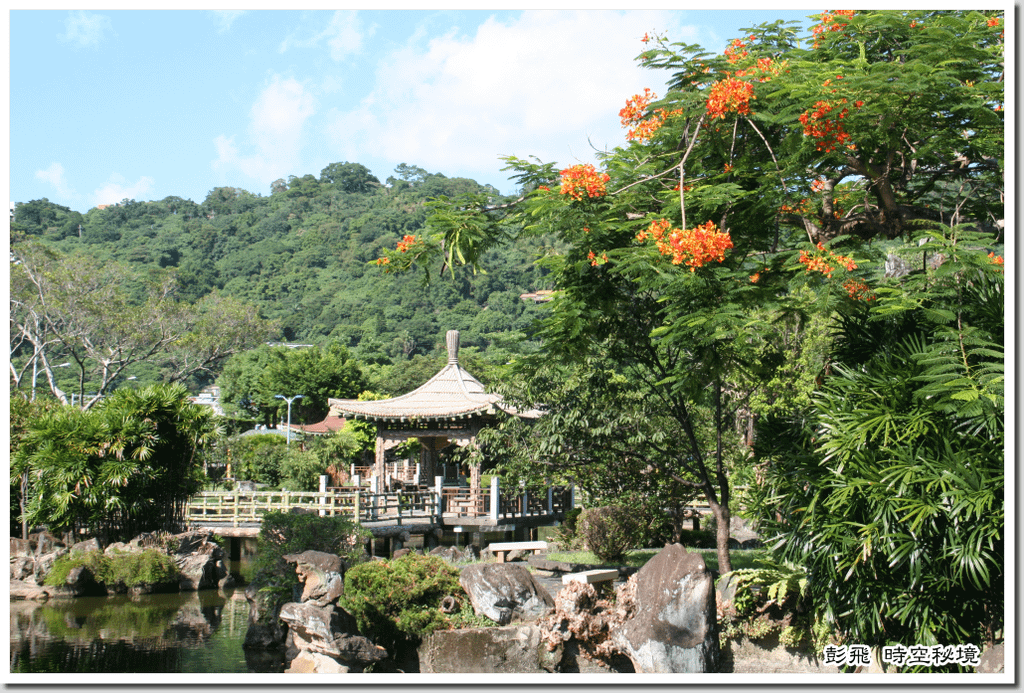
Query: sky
x=139, y=104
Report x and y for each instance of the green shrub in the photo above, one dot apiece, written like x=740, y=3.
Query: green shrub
x=399, y=601
x=300, y=471
x=149, y=567
x=609, y=531
x=63, y=566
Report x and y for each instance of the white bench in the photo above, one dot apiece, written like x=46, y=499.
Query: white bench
x=590, y=577
x=502, y=548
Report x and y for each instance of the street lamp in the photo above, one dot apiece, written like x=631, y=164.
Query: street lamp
x=289, y=400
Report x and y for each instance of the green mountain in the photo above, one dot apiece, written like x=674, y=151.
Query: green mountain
x=304, y=255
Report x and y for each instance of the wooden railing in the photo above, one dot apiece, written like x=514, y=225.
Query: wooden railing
x=357, y=503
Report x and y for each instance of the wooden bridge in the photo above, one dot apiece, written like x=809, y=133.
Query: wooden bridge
x=239, y=513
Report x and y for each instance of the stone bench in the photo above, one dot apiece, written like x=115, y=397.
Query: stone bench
x=502, y=548
x=590, y=577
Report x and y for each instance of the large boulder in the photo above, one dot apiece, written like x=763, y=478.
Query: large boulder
x=672, y=626
x=516, y=649
x=505, y=591
x=324, y=639
x=21, y=548
x=266, y=631
x=321, y=574
x=200, y=561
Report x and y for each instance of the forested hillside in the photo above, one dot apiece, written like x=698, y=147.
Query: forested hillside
x=303, y=256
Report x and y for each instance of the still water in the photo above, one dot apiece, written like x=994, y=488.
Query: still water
x=192, y=632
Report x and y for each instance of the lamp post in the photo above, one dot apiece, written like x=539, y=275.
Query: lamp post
x=289, y=400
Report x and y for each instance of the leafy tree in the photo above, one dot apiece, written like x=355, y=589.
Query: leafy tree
x=101, y=319
x=126, y=466
x=251, y=381
x=890, y=484
x=350, y=178
x=728, y=189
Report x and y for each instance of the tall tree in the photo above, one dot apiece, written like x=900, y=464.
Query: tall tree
x=101, y=318
x=728, y=189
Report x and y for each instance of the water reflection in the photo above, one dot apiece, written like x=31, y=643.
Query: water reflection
x=192, y=632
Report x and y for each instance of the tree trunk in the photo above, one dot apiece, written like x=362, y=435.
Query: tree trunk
x=722, y=517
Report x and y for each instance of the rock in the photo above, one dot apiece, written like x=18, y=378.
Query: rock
x=318, y=632
x=991, y=660
x=317, y=623
x=120, y=547
x=87, y=545
x=266, y=631
x=21, y=548
x=506, y=650
x=23, y=568
x=44, y=563
x=44, y=542
x=149, y=540
x=672, y=626
x=503, y=591
x=745, y=656
x=200, y=561
x=322, y=575
x=315, y=663
x=453, y=554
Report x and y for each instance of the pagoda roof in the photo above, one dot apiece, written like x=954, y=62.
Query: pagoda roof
x=453, y=393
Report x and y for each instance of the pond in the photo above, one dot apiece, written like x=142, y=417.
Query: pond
x=191, y=632
x=187, y=633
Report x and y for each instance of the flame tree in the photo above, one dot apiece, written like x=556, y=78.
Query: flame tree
x=780, y=179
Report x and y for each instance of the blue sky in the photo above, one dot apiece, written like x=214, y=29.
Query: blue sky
x=108, y=105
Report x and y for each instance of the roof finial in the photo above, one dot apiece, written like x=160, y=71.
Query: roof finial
x=452, y=337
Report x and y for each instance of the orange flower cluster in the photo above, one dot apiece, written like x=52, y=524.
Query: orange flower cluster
x=693, y=247
x=735, y=50
x=825, y=261
x=802, y=207
x=829, y=23
x=994, y=21
x=645, y=130
x=633, y=114
x=827, y=132
x=996, y=259
x=635, y=107
x=405, y=243
x=730, y=94
x=764, y=69
x=858, y=290
x=818, y=185
x=383, y=260
x=595, y=260
x=583, y=179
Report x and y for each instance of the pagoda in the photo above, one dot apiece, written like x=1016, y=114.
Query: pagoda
x=450, y=408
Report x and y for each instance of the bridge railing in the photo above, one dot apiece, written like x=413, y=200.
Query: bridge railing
x=359, y=504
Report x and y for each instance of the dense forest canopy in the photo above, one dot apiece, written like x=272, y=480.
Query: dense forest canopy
x=301, y=256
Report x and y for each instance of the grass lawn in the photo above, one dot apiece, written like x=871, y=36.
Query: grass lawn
x=740, y=558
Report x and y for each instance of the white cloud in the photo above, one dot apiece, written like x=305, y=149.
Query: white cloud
x=275, y=133
x=55, y=177
x=343, y=35
x=85, y=29
x=543, y=84
x=225, y=18
x=118, y=188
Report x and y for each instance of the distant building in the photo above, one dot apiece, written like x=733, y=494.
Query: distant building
x=210, y=397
